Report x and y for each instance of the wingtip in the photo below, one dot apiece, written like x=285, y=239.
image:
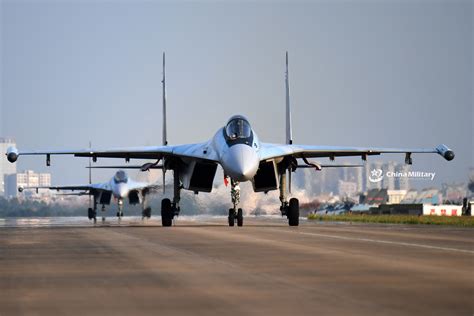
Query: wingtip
x=444, y=151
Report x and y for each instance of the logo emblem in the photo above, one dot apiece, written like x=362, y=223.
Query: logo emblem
x=376, y=175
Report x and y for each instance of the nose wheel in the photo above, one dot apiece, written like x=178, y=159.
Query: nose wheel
x=235, y=215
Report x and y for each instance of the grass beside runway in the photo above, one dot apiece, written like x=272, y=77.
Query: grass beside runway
x=464, y=221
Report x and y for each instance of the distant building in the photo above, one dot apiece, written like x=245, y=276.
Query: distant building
x=28, y=178
x=403, y=183
x=359, y=179
x=369, y=167
x=376, y=197
x=396, y=196
x=347, y=188
x=6, y=168
x=389, y=182
x=454, y=192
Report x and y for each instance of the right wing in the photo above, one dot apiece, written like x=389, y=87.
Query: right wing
x=195, y=151
x=88, y=188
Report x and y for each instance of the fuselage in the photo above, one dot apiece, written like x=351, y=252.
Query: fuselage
x=120, y=185
x=237, y=146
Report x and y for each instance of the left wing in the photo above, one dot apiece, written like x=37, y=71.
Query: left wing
x=269, y=151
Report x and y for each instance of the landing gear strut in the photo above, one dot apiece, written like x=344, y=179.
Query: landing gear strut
x=92, y=212
x=234, y=213
x=120, y=210
x=103, y=213
x=146, y=212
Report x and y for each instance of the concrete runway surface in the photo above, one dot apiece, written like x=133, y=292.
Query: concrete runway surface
x=203, y=267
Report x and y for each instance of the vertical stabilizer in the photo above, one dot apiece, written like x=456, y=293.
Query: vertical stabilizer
x=289, y=133
x=163, y=82
x=90, y=175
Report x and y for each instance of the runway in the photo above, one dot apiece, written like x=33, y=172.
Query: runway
x=203, y=267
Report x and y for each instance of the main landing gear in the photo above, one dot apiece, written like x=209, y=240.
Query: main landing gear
x=146, y=212
x=171, y=209
x=290, y=209
x=92, y=212
x=234, y=213
x=103, y=213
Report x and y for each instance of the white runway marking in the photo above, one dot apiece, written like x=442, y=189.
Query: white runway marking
x=398, y=243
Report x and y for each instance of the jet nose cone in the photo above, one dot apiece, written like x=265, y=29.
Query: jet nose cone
x=240, y=162
x=121, y=191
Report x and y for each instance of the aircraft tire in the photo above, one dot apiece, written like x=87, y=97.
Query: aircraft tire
x=91, y=213
x=166, y=213
x=293, y=212
x=231, y=217
x=240, y=218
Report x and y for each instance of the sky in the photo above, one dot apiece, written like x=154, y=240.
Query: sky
x=362, y=73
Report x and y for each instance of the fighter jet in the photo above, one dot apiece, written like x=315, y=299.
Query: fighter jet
x=237, y=149
x=120, y=187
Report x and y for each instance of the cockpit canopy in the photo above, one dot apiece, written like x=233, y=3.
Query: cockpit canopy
x=238, y=127
x=120, y=177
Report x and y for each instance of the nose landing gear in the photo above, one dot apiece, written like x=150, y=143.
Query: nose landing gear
x=234, y=213
x=120, y=210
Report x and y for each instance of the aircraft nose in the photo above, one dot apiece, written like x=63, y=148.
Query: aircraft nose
x=121, y=191
x=241, y=162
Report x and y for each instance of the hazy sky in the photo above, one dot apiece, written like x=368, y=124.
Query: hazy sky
x=363, y=73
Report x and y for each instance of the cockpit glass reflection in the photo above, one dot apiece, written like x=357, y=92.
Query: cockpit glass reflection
x=238, y=128
x=120, y=177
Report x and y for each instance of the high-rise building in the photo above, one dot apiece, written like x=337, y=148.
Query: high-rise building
x=347, y=188
x=359, y=178
x=6, y=168
x=28, y=178
x=389, y=181
x=376, y=166
x=403, y=183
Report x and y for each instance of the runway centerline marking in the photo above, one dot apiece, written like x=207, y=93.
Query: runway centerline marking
x=398, y=243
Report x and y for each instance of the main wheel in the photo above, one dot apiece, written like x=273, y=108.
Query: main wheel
x=231, y=217
x=147, y=212
x=166, y=213
x=91, y=213
x=294, y=212
x=240, y=217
